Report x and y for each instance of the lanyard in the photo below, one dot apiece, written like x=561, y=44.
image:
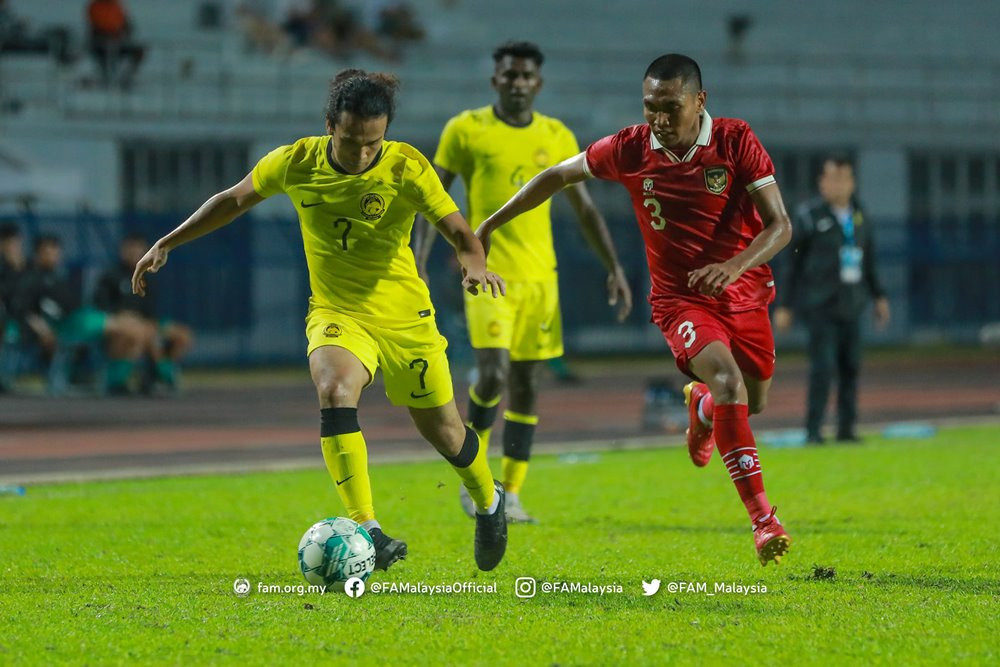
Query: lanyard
x=847, y=225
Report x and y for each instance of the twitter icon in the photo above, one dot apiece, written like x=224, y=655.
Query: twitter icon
x=650, y=587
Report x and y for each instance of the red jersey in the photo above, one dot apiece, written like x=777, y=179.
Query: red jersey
x=693, y=210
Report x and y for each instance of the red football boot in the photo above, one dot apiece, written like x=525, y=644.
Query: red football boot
x=770, y=538
x=699, y=437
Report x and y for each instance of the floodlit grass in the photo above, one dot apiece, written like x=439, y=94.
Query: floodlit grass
x=893, y=560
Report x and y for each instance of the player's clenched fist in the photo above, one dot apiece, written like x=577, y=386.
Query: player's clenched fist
x=151, y=262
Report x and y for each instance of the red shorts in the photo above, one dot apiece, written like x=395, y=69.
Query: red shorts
x=688, y=328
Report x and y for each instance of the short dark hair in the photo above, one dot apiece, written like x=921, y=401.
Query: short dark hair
x=514, y=49
x=364, y=94
x=47, y=239
x=9, y=230
x=839, y=159
x=672, y=66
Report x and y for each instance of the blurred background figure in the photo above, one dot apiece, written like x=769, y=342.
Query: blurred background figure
x=171, y=341
x=50, y=317
x=111, y=42
x=398, y=23
x=261, y=32
x=12, y=265
x=379, y=28
x=297, y=19
x=831, y=275
x=17, y=36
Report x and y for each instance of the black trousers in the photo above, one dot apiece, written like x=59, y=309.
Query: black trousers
x=834, y=349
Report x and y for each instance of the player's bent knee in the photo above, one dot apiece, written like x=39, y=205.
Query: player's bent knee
x=726, y=387
x=337, y=392
x=492, y=378
x=757, y=405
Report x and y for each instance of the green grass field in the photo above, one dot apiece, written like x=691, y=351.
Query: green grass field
x=143, y=570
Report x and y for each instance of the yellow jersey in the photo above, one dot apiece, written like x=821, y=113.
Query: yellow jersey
x=494, y=160
x=356, y=227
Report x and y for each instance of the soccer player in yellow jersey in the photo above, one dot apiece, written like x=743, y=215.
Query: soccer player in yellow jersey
x=497, y=149
x=356, y=194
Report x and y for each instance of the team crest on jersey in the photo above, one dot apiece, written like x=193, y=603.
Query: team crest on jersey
x=494, y=329
x=372, y=206
x=716, y=180
x=647, y=185
x=332, y=331
x=541, y=158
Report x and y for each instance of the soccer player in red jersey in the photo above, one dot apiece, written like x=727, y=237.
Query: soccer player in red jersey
x=711, y=215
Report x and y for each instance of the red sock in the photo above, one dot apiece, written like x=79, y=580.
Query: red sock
x=739, y=452
x=707, y=407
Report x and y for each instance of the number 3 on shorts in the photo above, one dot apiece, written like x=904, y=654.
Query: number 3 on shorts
x=686, y=331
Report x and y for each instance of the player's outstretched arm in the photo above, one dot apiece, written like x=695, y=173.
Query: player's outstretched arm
x=218, y=211
x=471, y=256
x=534, y=192
x=595, y=231
x=424, y=232
x=711, y=280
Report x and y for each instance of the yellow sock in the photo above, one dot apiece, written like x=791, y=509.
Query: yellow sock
x=484, y=436
x=518, y=436
x=476, y=476
x=346, y=459
x=514, y=472
x=482, y=414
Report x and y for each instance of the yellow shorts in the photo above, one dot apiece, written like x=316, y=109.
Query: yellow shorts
x=526, y=321
x=412, y=358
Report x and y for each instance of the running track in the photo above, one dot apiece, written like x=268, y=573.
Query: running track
x=242, y=421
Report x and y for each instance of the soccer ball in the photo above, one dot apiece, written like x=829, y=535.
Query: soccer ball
x=334, y=550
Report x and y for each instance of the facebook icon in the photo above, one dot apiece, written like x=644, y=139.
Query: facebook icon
x=354, y=587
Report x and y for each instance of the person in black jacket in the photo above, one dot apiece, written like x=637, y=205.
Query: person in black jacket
x=47, y=307
x=113, y=294
x=831, y=276
x=12, y=265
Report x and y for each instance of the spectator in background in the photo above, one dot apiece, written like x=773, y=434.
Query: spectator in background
x=398, y=22
x=114, y=295
x=345, y=26
x=261, y=32
x=111, y=42
x=377, y=27
x=298, y=20
x=830, y=277
x=16, y=36
x=12, y=264
x=47, y=307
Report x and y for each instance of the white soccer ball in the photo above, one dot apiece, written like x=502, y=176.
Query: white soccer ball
x=334, y=550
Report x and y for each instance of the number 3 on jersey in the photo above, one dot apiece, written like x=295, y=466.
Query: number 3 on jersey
x=653, y=205
x=686, y=331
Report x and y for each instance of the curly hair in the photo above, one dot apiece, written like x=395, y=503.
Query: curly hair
x=364, y=94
